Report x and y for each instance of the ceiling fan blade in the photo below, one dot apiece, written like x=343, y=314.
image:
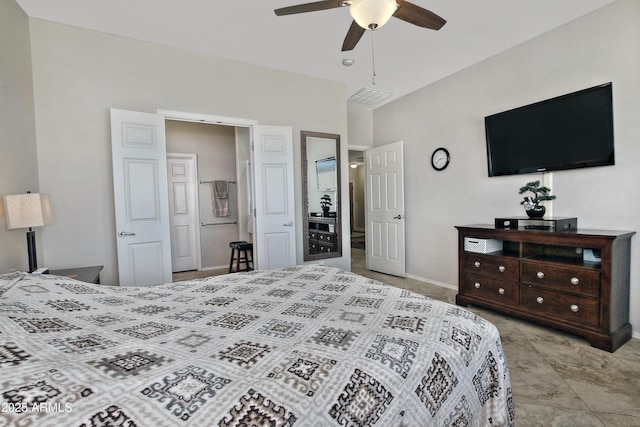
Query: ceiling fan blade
x=353, y=36
x=416, y=15
x=310, y=7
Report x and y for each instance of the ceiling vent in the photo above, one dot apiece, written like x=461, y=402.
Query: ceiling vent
x=367, y=97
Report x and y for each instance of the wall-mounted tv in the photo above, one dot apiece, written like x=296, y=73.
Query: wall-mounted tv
x=567, y=132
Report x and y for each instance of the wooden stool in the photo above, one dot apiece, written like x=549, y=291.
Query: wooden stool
x=241, y=253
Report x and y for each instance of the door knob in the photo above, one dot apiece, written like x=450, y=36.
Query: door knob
x=288, y=224
x=397, y=217
x=126, y=233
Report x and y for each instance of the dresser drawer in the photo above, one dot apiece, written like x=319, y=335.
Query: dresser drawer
x=326, y=247
x=570, y=308
x=326, y=237
x=582, y=281
x=497, y=267
x=487, y=288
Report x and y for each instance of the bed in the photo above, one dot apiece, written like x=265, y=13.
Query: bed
x=306, y=346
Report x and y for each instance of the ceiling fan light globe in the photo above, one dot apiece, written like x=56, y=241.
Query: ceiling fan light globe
x=372, y=14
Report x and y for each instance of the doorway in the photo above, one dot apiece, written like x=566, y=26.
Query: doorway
x=140, y=182
x=214, y=221
x=356, y=202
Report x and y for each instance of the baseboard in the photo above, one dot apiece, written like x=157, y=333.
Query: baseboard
x=214, y=267
x=433, y=282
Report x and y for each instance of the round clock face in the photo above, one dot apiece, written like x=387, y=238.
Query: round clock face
x=440, y=158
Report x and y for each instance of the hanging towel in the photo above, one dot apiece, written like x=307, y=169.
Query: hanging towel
x=220, y=198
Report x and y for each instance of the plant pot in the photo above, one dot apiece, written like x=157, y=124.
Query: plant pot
x=536, y=211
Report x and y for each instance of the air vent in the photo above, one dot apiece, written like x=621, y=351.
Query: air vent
x=368, y=97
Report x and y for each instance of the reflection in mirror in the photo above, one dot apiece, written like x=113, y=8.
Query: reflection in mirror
x=326, y=173
x=321, y=195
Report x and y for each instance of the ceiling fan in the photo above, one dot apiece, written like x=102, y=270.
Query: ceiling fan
x=370, y=14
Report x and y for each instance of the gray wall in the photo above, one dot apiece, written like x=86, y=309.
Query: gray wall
x=18, y=159
x=601, y=47
x=78, y=75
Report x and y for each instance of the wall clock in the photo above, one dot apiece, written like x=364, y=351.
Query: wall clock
x=440, y=158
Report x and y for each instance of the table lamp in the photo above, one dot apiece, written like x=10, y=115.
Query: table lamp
x=27, y=211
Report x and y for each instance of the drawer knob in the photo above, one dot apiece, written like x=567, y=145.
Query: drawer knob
x=476, y=264
x=477, y=285
x=574, y=308
x=502, y=268
x=540, y=275
x=574, y=281
x=540, y=300
x=501, y=291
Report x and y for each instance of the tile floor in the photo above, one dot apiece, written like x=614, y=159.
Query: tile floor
x=558, y=379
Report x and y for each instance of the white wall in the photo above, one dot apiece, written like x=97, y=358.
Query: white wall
x=360, y=138
x=18, y=159
x=601, y=47
x=360, y=125
x=78, y=75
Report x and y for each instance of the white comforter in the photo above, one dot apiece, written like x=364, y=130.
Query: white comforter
x=303, y=346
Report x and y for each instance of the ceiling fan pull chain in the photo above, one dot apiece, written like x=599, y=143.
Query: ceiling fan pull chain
x=373, y=61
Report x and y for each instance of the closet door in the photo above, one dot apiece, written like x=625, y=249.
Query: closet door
x=141, y=198
x=275, y=244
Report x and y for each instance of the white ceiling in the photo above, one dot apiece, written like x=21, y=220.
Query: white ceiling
x=406, y=57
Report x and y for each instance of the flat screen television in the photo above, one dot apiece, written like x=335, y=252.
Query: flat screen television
x=567, y=132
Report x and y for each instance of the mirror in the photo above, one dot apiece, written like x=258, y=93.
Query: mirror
x=320, y=155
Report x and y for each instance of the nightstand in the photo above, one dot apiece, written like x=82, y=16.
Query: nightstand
x=83, y=274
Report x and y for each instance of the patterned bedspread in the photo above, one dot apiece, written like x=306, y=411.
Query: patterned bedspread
x=304, y=346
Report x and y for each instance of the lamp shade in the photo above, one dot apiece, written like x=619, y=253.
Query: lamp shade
x=372, y=14
x=27, y=210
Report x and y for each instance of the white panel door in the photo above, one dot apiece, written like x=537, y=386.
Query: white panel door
x=384, y=198
x=183, y=211
x=141, y=199
x=275, y=243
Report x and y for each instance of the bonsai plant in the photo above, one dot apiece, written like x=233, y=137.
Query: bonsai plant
x=325, y=204
x=532, y=204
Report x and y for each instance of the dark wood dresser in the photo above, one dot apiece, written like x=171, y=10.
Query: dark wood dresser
x=322, y=235
x=576, y=281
